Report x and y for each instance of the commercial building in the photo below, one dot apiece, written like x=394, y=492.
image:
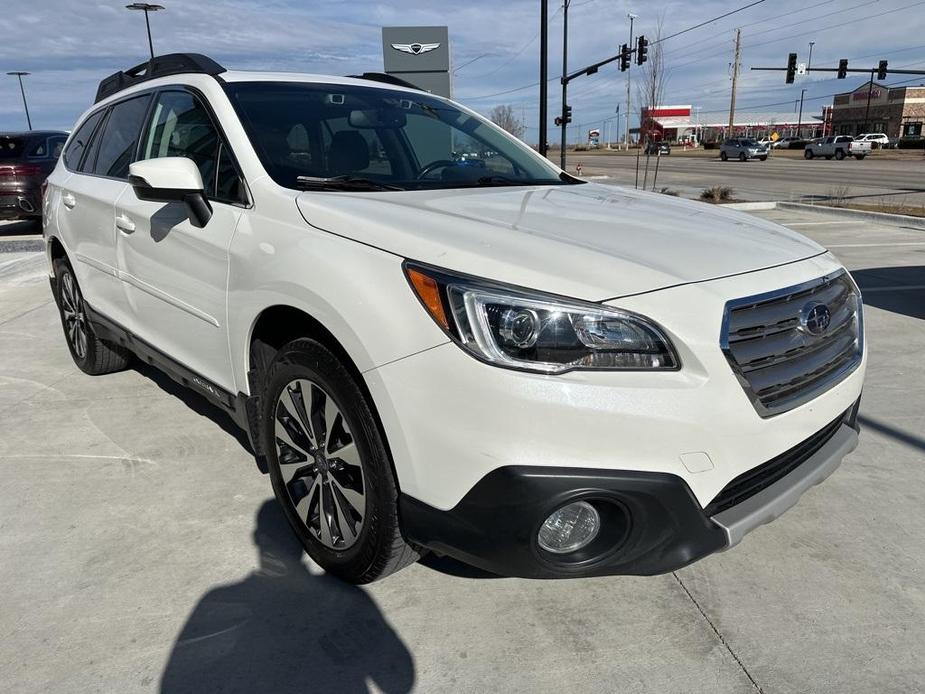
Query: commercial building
x=681, y=123
x=877, y=108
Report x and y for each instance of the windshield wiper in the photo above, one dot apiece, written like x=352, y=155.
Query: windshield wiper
x=346, y=182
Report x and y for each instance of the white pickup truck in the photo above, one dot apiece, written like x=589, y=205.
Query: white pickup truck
x=838, y=146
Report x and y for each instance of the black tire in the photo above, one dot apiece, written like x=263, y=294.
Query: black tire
x=808, y=154
x=743, y=157
x=92, y=355
x=839, y=154
x=322, y=481
x=723, y=156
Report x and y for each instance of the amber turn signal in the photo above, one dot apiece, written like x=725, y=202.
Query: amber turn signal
x=429, y=293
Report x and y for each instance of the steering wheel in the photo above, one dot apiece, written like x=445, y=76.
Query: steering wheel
x=433, y=166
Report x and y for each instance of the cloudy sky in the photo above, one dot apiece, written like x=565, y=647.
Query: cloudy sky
x=69, y=45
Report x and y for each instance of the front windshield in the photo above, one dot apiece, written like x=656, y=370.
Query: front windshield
x=397, y=139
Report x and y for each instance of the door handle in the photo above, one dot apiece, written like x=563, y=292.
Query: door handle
x=69, y=201
x=125, y=224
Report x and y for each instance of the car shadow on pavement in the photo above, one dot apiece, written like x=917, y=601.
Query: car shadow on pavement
x=196, y=402
x=897, y=289
x=283, y=629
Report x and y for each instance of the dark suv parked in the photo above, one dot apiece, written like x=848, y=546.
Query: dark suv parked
x=26, y=159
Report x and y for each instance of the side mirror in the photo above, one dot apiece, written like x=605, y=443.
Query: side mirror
x=172, y=179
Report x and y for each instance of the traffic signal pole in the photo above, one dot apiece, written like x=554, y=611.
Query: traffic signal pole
x=544, y=69
x=564, y=116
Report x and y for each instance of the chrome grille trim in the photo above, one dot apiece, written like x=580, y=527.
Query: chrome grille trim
x=776, y=361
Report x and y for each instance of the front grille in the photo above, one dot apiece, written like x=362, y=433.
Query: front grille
x=750, y=483
x=776, y=348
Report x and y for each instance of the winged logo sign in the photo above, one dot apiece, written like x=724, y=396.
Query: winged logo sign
x=415, y=48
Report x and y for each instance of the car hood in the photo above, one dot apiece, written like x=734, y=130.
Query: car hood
x=587, y=241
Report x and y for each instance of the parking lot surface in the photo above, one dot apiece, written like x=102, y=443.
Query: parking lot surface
x=873, y=181
x=141, y=549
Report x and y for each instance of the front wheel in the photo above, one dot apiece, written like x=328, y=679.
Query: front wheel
x=329, y=465
x=723, y=156
x=808, y=154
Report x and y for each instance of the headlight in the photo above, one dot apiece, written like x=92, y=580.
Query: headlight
x=529, y=330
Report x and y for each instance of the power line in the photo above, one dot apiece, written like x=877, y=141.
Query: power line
x=678, y=33
x=710, y=21
x=520, y=52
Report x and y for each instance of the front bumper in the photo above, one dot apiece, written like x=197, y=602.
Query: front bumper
x=651, y=522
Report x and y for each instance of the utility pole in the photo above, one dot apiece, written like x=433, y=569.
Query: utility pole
x=565, y=4
x=544, y=67
x=735, y=79
x=800, y=117
x=626, y=132
x=20, y=74
x=870, y=88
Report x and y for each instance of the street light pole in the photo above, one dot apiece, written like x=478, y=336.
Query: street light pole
x=800, y=117
x=626, y=132
x=146, y=7
x=20, y=74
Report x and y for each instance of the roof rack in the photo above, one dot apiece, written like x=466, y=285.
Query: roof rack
x=387, y=79
x=159, y=66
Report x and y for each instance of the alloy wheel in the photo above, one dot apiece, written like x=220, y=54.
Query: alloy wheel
x=320, y=464
x=75, y=317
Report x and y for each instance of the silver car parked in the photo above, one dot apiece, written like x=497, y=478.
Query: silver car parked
x=743, y=149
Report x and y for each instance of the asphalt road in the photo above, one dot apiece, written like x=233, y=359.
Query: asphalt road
x=140, y=550
x=871, y=181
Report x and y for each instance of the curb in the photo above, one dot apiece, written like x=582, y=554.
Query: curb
x=885, y=217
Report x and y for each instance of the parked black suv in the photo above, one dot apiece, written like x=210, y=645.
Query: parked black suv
x=26, y=159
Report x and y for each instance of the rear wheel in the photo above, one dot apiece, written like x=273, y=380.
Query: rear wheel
x=743, y=157
x=91, y=354
x=808, y=154
x=839, y=154
x=329, y=465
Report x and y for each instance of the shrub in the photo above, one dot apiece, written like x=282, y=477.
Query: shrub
x=716, y=194
x=911, y=143
x=669, y=191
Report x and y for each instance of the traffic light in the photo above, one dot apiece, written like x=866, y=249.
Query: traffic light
x=791, y=67
x=624, y=58
x=881, y=70
x=842, y=69
x=558, y=121
x=567, y=113
x=642, y=50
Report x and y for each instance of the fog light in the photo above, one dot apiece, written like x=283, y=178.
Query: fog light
x=570, y=528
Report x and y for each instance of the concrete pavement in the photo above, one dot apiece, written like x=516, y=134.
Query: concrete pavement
x=140, y=553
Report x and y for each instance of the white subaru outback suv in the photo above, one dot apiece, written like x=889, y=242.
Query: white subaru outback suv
x=478, y=355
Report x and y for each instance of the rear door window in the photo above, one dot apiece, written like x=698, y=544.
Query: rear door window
x=119, y=137
x=80, y=141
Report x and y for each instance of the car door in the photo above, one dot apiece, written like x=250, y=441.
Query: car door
x=88, y=197
x=174, y=274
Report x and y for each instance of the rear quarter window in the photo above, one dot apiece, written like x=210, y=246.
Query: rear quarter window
x=81, y=140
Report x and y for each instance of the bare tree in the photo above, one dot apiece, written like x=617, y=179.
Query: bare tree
x=503, y=117
x=655, y=73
